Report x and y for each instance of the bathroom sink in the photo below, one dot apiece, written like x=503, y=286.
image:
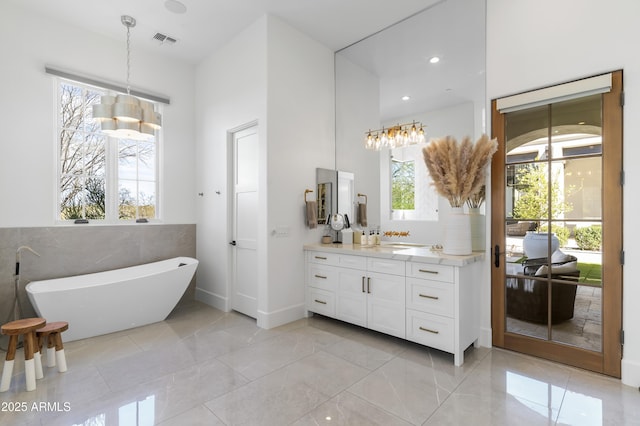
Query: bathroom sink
x=395, y=246
x=403, y=245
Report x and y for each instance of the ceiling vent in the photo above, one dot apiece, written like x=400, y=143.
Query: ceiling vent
x=164, y=39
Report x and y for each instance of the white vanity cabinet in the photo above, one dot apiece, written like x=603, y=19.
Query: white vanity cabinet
x=373, y=297
x=364, y=291
x=434, y=304
x=443, y=307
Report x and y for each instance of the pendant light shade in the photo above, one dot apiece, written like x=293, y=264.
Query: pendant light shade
x=126, y=116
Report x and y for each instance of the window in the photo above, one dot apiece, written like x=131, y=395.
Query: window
x=100, y=177
x=412, y=195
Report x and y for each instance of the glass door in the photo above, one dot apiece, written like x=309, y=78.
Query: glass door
x=556, y=233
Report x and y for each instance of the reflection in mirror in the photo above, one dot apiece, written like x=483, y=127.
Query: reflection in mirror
x=412, y=195
x=335, y=194
x=372, y=77
x=326, y=180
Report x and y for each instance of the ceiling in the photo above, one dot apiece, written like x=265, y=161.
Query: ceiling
x=209, y=24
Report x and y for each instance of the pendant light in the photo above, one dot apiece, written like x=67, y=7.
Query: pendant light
x=126, y=116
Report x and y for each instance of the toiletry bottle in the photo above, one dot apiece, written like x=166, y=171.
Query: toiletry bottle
x=378, y=237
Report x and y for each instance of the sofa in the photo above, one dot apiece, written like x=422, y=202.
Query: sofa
x=527, y=298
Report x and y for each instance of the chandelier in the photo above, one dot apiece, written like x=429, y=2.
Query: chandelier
x=395, y=137
x=125, y=116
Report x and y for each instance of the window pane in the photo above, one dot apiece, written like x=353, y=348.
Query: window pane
x=127, y=194
x=403, y=176
x=127, y=160
x=412, y=194
x=71, y=201
x=95, y=198
x=147, y=199
x=146, y=161
x=71, y=153
x=71, y=107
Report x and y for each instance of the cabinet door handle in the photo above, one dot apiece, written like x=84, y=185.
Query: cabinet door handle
x=426, y=271
x=429, y=330
x=320, y=276
x=320, y=301
x=368, y=284
x=363, y=284
x=321, y=257
x=428, y=297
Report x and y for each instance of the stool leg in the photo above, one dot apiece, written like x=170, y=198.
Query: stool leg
x=60, y=358
x=38, y=361
x=7, y=371
x=29, y=362
x=51, y=352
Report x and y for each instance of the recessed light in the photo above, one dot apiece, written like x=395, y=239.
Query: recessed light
x=175, y=6
x=581, y=122
x=434, y=60
x=406, y=98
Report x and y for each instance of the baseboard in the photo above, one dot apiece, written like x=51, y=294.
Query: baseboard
x=281, y=316
x=212, y=299
x=631, y=373
x=485, y=339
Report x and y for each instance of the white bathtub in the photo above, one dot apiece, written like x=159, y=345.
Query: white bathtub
x=109, y=301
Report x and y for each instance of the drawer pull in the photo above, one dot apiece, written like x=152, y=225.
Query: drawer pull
x=320, y=301
x=429, y=330
x=428, y=297
x=320, y=276
x=426, y=271
x=320, y=257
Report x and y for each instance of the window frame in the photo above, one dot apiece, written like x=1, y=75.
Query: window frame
x=111, y=177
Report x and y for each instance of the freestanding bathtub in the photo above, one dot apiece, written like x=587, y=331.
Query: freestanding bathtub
x=104, y=302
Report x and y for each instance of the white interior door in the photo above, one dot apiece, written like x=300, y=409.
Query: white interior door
x=244, y=292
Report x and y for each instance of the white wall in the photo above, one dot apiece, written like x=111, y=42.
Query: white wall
x=537, y=44
x=268, y=67
x=232, y=90
x=27, y=108
x=301, y=135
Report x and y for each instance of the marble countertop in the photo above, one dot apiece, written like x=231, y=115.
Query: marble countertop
x=412, y=253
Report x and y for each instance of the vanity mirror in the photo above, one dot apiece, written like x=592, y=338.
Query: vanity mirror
x=335, y=195
x=448, y=97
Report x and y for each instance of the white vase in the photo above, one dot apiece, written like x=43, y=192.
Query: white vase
x=536, y=244
x=477, y=229
x=457, y=233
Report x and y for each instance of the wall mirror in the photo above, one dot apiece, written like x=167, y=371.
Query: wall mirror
x=448, y=97
x=335, y=194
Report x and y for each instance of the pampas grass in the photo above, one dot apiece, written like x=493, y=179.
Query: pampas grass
x=458, y=169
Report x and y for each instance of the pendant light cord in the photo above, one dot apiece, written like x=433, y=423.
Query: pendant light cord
x=128, y=58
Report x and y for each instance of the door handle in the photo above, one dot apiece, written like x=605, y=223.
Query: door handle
x=233, y=243
x=496, y=254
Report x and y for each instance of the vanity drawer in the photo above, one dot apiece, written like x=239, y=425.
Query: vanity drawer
x=323, y=258
x=386, y=266
x=353, y=262
x=322, y=302
x=430, y=330
x=430, y=271
x=321, y=276
x=430, y=296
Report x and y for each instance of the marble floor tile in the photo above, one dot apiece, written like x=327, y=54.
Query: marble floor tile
x=403, y=388
x=206, y=367
x=346, y=409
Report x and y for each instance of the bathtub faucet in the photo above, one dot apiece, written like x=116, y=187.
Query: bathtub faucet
x=18, y=256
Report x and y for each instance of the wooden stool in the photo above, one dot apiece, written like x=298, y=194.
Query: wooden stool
x=52, y=334
x=32, y=364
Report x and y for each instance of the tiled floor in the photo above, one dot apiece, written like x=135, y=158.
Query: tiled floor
x=206, y=367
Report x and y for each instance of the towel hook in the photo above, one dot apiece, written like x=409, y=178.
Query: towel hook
x=363, y=195
x=306, y=191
